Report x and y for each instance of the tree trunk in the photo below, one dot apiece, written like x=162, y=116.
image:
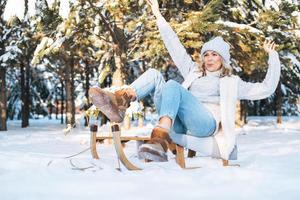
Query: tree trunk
x=120, y=48
x=62, y=102
x=3, y=100
x=117, y=75
x=244, y=111
x=24, y=118
x=256, y=107
x=50, y=110
x=26, y=5
x=87, y=87
x=238, y=113
x=26, y=101
x=68, y=96
x=73, y=107
x=25, y=96
x=241, y=113
x=69, y=84
x=56, y=107
x=87, y=83
x=278, y=100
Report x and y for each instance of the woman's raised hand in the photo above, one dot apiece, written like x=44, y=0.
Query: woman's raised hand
x=269, y=46
x=154, y=7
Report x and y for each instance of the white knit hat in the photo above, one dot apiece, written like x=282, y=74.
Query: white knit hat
x=220, y=46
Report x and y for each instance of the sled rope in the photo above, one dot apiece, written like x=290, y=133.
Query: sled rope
x=74, y=167
x=71, y=156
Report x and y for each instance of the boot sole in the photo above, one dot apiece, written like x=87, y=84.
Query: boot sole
x=149, y=154
x=102, y=101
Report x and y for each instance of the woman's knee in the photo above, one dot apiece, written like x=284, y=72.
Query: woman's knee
x=154, y=72
x=172, y=84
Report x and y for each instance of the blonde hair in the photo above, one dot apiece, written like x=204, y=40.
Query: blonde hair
x=224, y=70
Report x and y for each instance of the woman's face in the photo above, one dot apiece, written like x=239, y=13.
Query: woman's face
x=212, y=61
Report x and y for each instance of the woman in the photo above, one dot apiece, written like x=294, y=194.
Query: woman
x=204, y=102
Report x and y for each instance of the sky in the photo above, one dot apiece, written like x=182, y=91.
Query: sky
x=16, y=7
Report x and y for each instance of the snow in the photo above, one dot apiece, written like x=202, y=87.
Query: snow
x=64, y=9
x=240, y=26
x=275, y=3
x=5, y=57
x=14, y=7
x=34, y=166
x=293, y=59
x=10, y=54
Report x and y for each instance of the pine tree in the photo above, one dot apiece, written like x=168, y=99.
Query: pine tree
x=122, y=36
x=64, y=51
x=13, y=55
x=22, y=35
x=91, y=34
x=26, y=46
x=3, y=98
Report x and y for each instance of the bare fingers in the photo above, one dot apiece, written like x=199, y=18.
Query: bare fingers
x=269, y=46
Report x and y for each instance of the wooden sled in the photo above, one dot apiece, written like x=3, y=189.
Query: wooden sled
x=119, y=141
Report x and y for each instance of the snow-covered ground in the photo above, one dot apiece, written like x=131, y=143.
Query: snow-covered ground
x=34, y=165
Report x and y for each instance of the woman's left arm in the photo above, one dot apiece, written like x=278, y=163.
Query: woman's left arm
x=256, y=91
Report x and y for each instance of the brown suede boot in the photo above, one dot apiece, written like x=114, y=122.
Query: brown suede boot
x=162, y=133
x=156, y=148
x=112, y=105
x=123, y=98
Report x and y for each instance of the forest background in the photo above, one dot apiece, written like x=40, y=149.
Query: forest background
x=48, y=62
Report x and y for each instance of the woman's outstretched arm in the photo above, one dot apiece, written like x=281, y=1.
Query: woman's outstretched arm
x=176, y=50
x=256, y=91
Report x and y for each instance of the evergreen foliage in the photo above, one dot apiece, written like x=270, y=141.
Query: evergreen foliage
x=110, y=42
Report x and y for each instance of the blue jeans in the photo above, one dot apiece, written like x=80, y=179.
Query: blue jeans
x=174, y=101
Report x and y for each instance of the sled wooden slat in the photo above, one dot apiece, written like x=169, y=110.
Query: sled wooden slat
x=124, y=138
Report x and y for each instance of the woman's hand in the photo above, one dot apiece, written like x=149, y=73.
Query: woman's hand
x=154, y=7
x=269, y=46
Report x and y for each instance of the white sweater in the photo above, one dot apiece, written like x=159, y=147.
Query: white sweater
x=231, y=88
x=207, y=90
